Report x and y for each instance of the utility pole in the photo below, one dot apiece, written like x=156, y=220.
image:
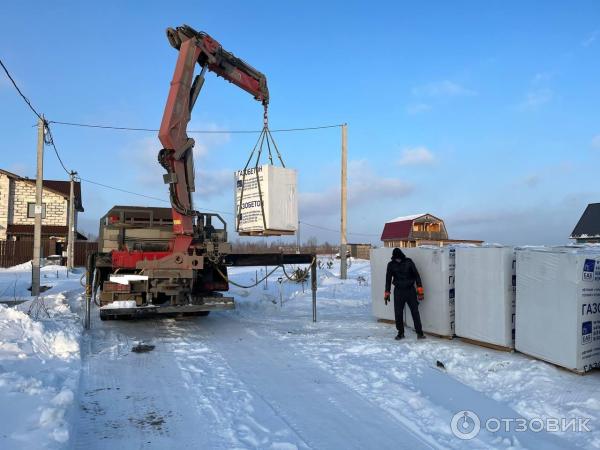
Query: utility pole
x=71, y=234
x=37, y=228
x=298, y=238
x=343, y=241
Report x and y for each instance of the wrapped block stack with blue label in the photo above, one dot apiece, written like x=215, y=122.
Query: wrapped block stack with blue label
x=558, y=305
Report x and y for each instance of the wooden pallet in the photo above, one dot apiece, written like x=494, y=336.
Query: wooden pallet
x=441, y=336
x=489, y=345
x=497, y=347
x=558, y=366
x=267, y=233
x=388, y=321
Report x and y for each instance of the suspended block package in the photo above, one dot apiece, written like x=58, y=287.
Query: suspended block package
x=266, y=201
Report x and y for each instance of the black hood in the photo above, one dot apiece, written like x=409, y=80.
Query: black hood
x=397, y=254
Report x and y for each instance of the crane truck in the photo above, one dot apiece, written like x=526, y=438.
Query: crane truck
x=149, y=263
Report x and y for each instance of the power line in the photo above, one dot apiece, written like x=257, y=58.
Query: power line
x=20, y=92
x=207, y=209
x=51, y=142
x=144, y=195
x=336, y=231
x=123, y=190
x=118, y=128
x=48, y=138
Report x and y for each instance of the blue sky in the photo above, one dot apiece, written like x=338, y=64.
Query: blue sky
x=483, y=113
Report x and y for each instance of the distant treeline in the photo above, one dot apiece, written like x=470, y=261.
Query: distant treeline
x=278, y=246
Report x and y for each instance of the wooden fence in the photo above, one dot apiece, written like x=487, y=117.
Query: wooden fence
x=13, y=253
x=82, y=250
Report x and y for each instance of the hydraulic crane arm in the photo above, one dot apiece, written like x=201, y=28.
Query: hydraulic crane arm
x=176, y=156
x=222, y=62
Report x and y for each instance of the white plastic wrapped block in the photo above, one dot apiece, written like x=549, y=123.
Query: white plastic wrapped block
x=485, y=294
x=279, y=199
x=436, y=268
x=379, y=259
x=558, y=305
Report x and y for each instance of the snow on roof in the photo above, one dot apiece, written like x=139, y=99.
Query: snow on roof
x=404, y=218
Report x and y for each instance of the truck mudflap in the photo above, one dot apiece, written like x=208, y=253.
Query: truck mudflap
x=213, y=304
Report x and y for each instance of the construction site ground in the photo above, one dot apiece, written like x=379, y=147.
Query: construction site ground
x=264, y=376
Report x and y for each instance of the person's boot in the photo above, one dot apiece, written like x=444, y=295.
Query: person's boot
x=420, y=336
x=399, y=336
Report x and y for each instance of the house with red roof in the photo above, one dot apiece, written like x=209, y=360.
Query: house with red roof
x=416, y=230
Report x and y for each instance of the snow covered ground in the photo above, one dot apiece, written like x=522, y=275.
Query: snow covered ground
x=39, y=358
x=265, y=376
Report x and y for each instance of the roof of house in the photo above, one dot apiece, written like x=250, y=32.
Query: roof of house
x=47, y=230
x=397, y=230
x=400, y=227
x=57, y=186
x=589, y=223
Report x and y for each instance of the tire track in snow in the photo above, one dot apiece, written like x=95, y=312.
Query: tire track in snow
x=326, y=413
x=131, y=400
x=396, y=378
x=246, y=421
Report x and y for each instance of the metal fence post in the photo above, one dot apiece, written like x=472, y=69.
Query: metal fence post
x=313, y=286
x=89, y=288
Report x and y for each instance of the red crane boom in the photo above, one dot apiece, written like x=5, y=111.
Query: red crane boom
x=142, y=268
x=176, y=156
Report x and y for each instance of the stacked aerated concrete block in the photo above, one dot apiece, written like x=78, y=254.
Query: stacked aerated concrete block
x=554, y=315
x=485, y=294
x=436, y=268
x=558, y=306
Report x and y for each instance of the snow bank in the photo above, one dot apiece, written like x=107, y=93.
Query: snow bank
x=22, y=337
x=15, y=281
x=39, y=358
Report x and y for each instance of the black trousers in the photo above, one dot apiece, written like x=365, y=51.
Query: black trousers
x=403, y=296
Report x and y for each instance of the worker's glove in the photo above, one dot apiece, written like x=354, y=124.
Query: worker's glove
x=420, y=294
x=386, y=297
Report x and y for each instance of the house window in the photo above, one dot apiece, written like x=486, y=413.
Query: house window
x=31, y=210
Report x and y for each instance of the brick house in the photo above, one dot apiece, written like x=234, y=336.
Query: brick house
x=17, y=208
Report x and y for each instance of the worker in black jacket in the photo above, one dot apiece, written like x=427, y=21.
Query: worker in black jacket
x=402, y=272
